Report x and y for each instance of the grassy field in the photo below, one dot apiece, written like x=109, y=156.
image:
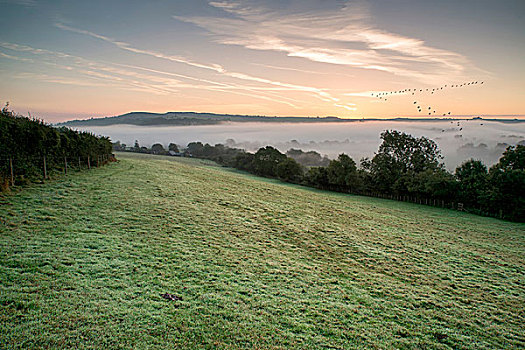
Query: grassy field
x=259, y=265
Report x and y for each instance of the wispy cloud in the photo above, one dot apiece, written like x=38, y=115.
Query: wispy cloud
x=128, y=77
x=15, y=58
x=55, y=79
x=343, y=36
x=347, y=106
x=218, y=86
x=128, y=47
x=302, y=70
x=25, y=3
x=109, y=76
x=322, y=94
x=371, y=94
x=38, y=51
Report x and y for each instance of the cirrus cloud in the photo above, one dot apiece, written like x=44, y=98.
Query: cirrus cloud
x=342, y=36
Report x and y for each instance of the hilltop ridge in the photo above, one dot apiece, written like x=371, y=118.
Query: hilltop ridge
x=190, y=118
x=195, y=118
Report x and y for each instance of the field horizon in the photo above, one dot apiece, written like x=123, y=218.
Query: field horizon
x=256, y=263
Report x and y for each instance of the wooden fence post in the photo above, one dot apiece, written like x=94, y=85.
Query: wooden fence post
x=98, y=158
x=11, y=171
x=79, y=167
x=11, y=168
x=89, y=164
x=65, y=165
x=45, y=169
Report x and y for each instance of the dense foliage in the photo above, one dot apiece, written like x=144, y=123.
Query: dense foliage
x=26, y=142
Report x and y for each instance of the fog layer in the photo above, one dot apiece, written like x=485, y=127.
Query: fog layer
x=457, y=141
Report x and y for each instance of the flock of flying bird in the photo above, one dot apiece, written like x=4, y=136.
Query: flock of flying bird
x=431, y=111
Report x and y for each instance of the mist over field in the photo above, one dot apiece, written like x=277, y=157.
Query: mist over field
x=457, y=140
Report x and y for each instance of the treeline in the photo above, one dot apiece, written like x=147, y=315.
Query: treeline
x=30, y=149
x=404, y=168
x=156, y=148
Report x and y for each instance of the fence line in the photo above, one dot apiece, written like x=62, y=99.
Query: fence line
x=434, y=202
x=30, y=166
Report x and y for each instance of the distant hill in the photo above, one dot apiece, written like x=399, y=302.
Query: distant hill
x=193, y=118
x=190, y=118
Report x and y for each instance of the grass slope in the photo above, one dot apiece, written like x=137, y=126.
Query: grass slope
x=259, y=264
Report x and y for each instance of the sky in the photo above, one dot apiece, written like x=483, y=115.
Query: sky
x=62, y=60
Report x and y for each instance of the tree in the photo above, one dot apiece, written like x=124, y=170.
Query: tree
x=290, y=171
x=195, y=148
x=173, y=147
x=265, y=161
x=507, y=184
x=473, y=182
x=342, y=174
x=117, y=146
x=401, y=154
x=244, y=161
x=409, y=152
x=438, y=184
x=317, y=177
x=158, y=149
x=512, y=159
x=310, y=158
x=208, y=151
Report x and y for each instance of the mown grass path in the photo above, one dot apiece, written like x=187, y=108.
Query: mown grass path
x=259, y=265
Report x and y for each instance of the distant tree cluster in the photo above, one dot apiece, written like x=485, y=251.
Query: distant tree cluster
x=309, y=159
x=156, y=148
x=24, y=142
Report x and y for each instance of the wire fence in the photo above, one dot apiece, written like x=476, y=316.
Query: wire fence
x=22, y=169
x=434, y=202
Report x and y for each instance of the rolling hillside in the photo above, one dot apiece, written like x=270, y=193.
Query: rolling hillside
x=258, y=265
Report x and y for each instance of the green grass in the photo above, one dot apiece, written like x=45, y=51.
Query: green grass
x=259, y=264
